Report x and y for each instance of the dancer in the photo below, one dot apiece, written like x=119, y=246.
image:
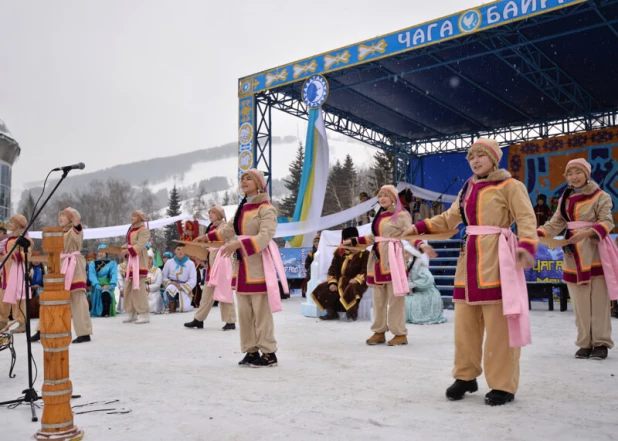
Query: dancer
x=135, y=292
x=388, y=277
x=228, y=311
x=13, y=298
x=423, y=303
x=256, y=284
x=590, y=257
x=103, y=276
x=346, y=282
x=488, y=274
x=73, y=266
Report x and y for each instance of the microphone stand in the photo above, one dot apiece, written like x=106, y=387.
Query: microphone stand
x=30, y=395
x=447, y=189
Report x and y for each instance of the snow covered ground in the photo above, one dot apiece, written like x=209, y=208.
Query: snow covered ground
x=184, y=384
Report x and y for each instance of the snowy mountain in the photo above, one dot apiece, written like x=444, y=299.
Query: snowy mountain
x=213, y=168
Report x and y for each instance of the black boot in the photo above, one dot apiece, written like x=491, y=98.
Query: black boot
x=599, y=353
x=229, y=327
x=107, y=302
x=36, y=337
x=266, y=360
x=195, y=324
x=498, y=397
x=82, y=339
x=250, y=357
x=330, y=315
x=458, y=389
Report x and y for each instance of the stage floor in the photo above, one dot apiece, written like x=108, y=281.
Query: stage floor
x=183, y=384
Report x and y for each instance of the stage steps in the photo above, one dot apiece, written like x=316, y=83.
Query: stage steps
x=443, y=268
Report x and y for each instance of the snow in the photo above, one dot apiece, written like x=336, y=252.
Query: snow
x=185, y=384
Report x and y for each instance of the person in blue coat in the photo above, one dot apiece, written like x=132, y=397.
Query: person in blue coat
x=103, y=277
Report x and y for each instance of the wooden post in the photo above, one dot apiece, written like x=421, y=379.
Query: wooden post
x=55, y=320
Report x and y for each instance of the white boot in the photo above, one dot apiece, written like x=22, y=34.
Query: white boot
x=143, y=318
x=131, y=318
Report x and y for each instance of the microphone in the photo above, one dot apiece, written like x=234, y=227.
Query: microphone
x=67, y=168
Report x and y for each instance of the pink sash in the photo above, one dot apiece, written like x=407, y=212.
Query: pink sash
x=15, y=284
x=609, y=259
x=399, y=275
x=133, y=270
x=68, y=268
x=221, y=275
x=513, y=283
x=271, y=258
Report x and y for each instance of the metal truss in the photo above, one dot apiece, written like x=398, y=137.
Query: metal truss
x=517, y=134
x=263, y=140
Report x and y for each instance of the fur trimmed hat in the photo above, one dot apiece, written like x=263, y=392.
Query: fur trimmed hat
x=391, y=191
x=258, y=176
x=219, y=210
x=73, y=215
x=489, y=146
x=20, y=219
x=580, y=163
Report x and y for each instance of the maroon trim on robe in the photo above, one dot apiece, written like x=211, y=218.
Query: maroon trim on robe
x=530, y=248
x=79, y=285
x=584, y=276
x=601, y=231
x=240, y=282
x=132, y=251
x=380, y=278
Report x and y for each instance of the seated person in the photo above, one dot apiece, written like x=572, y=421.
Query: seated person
x=423, y=304
x=153, y=283
x=346, y=282
x=179, y=279
x=103, y=277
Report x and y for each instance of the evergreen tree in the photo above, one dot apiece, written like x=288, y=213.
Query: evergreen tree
x=333, y=200
x=26, y=207
x=173, y=209
x=288, y=203
x=348, y=183
x=383, y=169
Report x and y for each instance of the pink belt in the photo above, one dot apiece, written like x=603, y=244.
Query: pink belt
x=609, y=258
x=513, y=283
x=68, y=268
x=133, y=270
x=399, y=275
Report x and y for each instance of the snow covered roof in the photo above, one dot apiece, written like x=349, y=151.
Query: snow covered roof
x=9, y=148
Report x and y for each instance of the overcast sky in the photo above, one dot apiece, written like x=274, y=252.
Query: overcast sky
x=114, y=81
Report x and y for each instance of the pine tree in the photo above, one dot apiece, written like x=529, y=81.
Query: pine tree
x=173, y=209
x=288, y=203
x=348, y=182
x=333, y=200
x=383, y=169
x=26, y=207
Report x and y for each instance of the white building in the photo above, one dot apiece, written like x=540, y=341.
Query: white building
x=9, y=152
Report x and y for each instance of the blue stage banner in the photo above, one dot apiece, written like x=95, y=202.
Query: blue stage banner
x=294, y=262
x=463, y=23
x=548, y=266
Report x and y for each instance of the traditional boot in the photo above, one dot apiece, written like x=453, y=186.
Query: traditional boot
x=598, y=353
x=498, y=397
x=266, y=360
x=376, y=339
x=398, y=340
x=172, y=306
x=351, y=316
x=82, y=339
x=107, y=302
x=330, y=315
x=250, y=357
x=36, y=337
x=458, y=389
x=143, y=318
x=131, y=318
x=199, y=324
x=583, y=353
x=229, y=327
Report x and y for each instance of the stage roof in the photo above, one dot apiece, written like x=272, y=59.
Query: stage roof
x=515, y=70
